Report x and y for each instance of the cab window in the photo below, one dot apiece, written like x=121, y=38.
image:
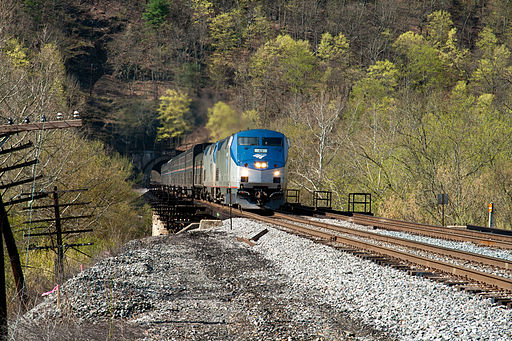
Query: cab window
x=247, y=141
x=273, y=141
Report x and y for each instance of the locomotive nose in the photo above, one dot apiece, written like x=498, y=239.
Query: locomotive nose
x=266, y=177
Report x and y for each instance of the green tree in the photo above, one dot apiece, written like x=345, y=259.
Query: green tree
x=202, y=12
x=286, y=60
x=333, y=48
x=225, y=31
x=438, y=28
x=494, y=71
x=174, y=114
x=333, y=56
x=259, y=28
x=115, y=219
x=156, y=12
x=421, y=63
x=280, y=73
x=444, y=143
x=34, y=82
x=201, y=9
x=16, y=52
x=379, y=84
x=432, y=61
x=222, y=121
x=442, y=34
x=373, y=129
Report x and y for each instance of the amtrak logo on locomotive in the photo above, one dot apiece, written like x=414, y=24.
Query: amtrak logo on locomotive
x=259, y=156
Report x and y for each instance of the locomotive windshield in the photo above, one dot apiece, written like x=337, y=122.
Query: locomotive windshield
x=273, y=141
x=248, y=141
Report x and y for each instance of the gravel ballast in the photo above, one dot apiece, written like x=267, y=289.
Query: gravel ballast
x=462, y=246
x=208, y=286
x=459, y=246
x=410, y=308
x=193, y=286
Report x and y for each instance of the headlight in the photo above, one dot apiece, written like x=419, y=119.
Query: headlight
x=277, y=173
x=244, y=172
x=260, y=165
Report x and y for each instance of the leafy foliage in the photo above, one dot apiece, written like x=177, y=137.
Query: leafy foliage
x=222, y=121
x=16, y=52
x=439, y=27
x=333, y=48
x=493, y=73
x=156, y=12
x=422, y=66
x=34, y=82
x=225, y=31
x=286, y=60
x=174, y=114
x=403, y=100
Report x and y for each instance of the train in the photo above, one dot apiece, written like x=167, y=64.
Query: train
x=246, y=169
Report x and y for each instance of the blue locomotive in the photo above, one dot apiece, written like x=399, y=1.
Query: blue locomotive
x=247, y=169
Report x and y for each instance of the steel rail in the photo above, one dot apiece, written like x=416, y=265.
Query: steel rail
x=475, y=275
x=477, y=234
x=430, y=231
x=464, y=255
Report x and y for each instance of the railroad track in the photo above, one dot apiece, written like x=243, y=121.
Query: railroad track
x=330, y=234
x=467, y=256
x=478, y=238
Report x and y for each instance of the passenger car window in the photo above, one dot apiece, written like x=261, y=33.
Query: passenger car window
x=247, y=141
x=272, y=141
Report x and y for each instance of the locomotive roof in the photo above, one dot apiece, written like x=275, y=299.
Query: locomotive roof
x=259, y=132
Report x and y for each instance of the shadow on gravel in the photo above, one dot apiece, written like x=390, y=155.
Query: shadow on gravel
x=264, y=305
x=193, y=286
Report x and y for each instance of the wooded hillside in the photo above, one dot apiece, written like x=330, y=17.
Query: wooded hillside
x=35, y=85
x=402, y=99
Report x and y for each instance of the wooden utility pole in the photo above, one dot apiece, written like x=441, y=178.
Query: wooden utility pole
x=60, y=248
x=10, y=129
x=10, y=242
x=6, y=232
x=4, y=224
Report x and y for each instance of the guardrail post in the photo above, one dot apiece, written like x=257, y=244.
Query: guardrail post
x=491, y=215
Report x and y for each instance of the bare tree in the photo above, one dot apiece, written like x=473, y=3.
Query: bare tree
x=316, y=144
